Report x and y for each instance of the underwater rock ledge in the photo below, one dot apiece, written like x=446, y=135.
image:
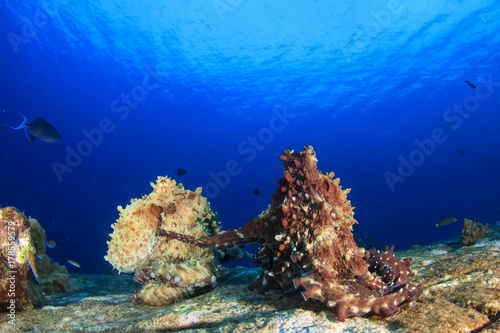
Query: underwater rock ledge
x=460, y=286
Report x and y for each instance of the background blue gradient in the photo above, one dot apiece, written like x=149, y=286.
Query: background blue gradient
x=140, y=88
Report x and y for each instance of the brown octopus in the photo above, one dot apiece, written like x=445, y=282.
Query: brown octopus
x=306, y=242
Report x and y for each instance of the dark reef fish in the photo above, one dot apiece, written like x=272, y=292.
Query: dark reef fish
x=38, y=128
x=256, y=191
x=180, y=172
x=461, y=151
x=444, y=120
x=472, y=85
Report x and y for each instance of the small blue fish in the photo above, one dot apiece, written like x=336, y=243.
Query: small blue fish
x=74, y=263
x=51, y=244
x=38, y=128
x=39, y=256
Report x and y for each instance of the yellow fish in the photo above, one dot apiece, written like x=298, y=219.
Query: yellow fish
x=446, y=221
x=31, y=261
x=74, y=263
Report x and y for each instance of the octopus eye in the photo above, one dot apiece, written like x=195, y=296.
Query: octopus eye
x=171, y=208
x=325, y=186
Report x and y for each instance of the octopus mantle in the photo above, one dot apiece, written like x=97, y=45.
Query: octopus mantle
x=306, y=243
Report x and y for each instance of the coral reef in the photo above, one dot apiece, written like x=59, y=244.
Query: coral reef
x=54, y=277
x=37, y=236
x=460, y=294
x=306, y=242
x=169, y=270
x=17, y=250
x=474, y=231
x=22, y=242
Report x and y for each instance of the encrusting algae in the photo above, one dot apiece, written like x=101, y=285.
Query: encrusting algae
x=169, y=270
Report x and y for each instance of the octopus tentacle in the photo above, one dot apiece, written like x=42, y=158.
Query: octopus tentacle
x=229, y=239
x=173, y=267
x=159, y=294
x=306, y=243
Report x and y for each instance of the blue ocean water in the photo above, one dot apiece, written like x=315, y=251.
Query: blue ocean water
x=220, y=88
